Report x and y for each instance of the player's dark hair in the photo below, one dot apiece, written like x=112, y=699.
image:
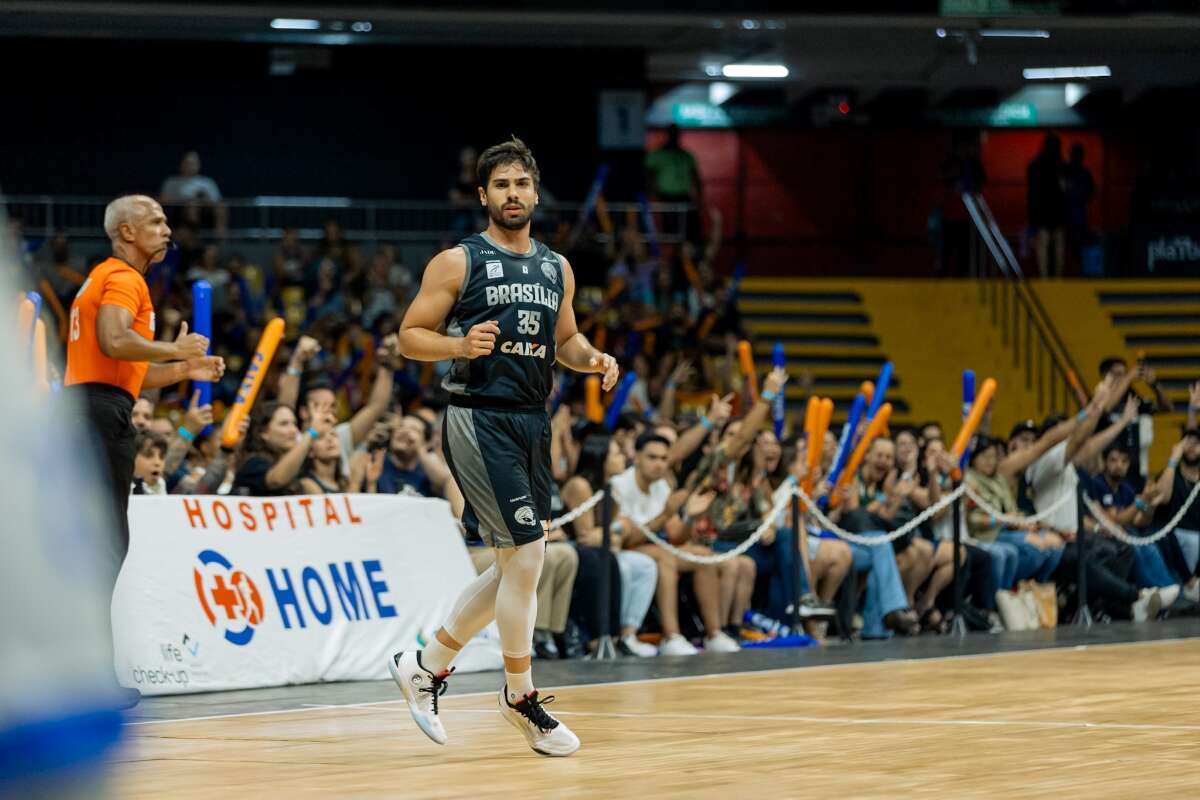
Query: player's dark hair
x=513, y=151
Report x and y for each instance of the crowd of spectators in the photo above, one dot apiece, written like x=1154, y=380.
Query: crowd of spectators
x=691, y=457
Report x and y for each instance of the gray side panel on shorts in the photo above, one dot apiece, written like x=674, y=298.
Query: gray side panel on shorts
x=472, y=471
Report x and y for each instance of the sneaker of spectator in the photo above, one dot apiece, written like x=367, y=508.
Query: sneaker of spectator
x=720, y=642
x=676, y=645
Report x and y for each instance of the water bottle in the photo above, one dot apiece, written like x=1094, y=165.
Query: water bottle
x=762, y=622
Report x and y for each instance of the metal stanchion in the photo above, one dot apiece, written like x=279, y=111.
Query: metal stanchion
x=605, y=649
x=1083, y=613
x=959, y=625
x=797, y=564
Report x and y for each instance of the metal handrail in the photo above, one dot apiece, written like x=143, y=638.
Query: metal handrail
x=266, y=217
x=1015, y=308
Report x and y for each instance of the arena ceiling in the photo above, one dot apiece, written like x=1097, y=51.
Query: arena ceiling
x=867, y=52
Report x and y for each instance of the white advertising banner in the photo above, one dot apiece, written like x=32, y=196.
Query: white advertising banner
x=237, y=592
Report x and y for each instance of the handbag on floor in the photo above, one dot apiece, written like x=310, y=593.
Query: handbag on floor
x=1041, y=600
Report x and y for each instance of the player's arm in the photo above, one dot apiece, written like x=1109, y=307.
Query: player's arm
x=420, y=338
x=573, y=349
x=117, y=339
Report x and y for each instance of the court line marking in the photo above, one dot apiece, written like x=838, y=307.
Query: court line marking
x=671, y=678
x=851, y=721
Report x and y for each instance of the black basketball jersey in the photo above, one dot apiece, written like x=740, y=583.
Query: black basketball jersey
x=521, y=292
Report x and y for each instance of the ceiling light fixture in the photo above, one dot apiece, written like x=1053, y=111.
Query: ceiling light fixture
x=1004, y=33
x=754, y=71
x=283, y=24
x=1061, y=73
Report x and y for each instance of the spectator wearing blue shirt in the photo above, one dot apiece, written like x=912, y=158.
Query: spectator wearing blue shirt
x=413, y=467
x=1111, y=490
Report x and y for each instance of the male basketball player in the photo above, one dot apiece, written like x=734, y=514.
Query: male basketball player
x=504, y=301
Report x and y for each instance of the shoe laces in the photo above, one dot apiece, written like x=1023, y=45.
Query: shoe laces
x=437, y=687
x=531, y=708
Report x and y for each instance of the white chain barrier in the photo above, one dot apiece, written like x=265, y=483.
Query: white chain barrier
x=768, y=521
x=717, y=558
x=576, y=513
x=1140, y=541
x=1018, y=519
x=891, y=536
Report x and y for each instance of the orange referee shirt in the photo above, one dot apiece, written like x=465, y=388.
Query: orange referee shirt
x=113, y=283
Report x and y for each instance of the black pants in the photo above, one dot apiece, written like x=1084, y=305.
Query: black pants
x=1108, y=567
x=587, y=609
x=105, y=414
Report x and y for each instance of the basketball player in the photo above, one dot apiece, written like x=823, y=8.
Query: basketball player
x=504, y=301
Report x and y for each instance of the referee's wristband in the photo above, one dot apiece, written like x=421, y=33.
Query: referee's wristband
x=313, y=433
x=769, y=396
x=187, y=435
x=706, y=423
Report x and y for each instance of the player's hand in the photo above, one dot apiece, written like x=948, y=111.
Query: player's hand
x=480, y=340
x=606, y=365
x=207, y=368
x=198, y=417
x=189, y=345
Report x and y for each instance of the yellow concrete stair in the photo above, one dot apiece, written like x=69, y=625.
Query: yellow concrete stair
x=1101, y=318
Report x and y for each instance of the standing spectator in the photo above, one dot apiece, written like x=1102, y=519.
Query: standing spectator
x=196, y=193
x=1079, y=188
x=962, y=173
x=674, y=178
x=1047, y=206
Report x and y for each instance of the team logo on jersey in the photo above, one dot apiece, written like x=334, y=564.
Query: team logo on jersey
x=524, y=349
x=495, y=269
x=550, y=271
x=525, y=515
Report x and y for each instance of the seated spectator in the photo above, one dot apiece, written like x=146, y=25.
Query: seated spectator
x=886, y=497
x=150, y=449
x=142, y=414
x=1124, y=506
x=1181, y=548
x=1048, y=461
x=413, y=467
x=322, y=471
x=276, y=450
x=600, y=460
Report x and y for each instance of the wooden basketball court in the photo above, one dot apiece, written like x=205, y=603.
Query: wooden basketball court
x=1111, y=720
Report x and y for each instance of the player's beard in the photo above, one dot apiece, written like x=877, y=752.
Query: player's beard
x=510, y=223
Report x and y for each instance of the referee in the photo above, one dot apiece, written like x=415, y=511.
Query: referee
x=112, y=355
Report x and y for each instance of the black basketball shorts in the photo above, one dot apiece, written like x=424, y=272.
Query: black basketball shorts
x=500, y=459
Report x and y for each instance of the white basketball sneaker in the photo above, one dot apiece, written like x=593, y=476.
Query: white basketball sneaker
x=421, y=689
x=545, y=734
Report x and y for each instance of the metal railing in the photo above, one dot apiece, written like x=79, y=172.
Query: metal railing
x=1026, y=329
x=264, y=218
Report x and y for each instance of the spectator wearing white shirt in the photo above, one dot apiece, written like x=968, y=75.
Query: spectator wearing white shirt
x=195, y=192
